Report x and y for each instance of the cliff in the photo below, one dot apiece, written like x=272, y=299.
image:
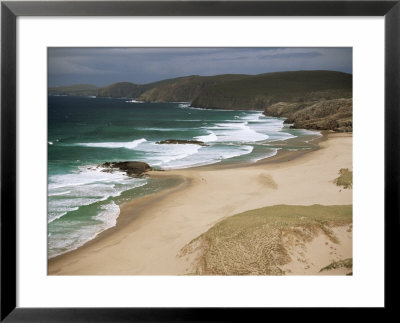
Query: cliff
x=336, y=114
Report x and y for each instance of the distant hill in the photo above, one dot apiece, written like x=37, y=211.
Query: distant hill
x=132, y=90
x=121, y=89
x=74, y=90
x=261, y=91
x=186, y=89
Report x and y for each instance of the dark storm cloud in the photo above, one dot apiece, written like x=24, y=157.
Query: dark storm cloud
x=102, y=66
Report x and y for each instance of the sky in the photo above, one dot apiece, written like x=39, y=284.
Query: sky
x=104, y=66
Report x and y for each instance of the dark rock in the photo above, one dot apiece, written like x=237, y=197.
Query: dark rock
x=132, y=168
x=181, y=141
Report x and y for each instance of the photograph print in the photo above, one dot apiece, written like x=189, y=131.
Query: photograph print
x=200, y=161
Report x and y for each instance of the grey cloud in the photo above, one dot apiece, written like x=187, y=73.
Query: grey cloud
x=292, y=55
x=103, y=66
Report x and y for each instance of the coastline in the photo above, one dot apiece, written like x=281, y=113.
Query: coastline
x=152, y=230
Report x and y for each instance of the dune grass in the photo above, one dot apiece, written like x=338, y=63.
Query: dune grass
x=345, y=263
x=251, y=243
x=345, y=179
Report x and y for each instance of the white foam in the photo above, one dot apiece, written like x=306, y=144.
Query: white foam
x=207, y=138
x=59, y=193
x=268, y=155
x=191, y=120
x=236, y=132
x=162, y=154
x=306, y=132
x=239, y=151
x=84, y=175
x=128, y=145
x=183, y=105
x=109, y=215
x=60, y=212
x=61, y=242
x=163, y=129
x=299, y=149
x=210, y=155
x=50, y=142
x=134, y=101
x=68, y=192
x=252, y=116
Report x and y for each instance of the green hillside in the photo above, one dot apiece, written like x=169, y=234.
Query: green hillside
x=132, y=90
x=186, y=89
x=121, y=89
x=74, y=90
x=261, y=91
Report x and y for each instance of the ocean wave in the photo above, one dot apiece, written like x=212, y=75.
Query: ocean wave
x=162, y=154
x=68, y=192
x=61, y=242
x=162, y=129
x=184, y=105
x=59, y=193
x=211, y=155
x=207, y=138
x=134, y=101
x=83, y=176
x=272, y=153
x=108, y=215
x=236, y=132
x=54, y=215
x=280, y=136
x=128, y=145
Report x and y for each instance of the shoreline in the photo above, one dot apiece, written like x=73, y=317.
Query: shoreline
x=281, y=156
x=142, y=217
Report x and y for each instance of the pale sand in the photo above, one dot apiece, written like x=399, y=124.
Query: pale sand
x=310, y=257
x=151, y=231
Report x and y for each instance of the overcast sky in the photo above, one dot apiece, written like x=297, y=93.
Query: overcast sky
x=103, y=66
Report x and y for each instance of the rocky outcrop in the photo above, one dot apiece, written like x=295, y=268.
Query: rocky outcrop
x=333, y=115
x=132, y=168
x=181, y=142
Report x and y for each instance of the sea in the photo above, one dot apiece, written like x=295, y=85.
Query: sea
x=84, y=132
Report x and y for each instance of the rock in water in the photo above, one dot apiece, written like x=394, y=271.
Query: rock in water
x=181, y=141
x=132, y=168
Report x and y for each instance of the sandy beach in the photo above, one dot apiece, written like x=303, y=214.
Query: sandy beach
x=151, y=231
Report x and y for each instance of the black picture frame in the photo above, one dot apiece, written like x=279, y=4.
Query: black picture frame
x=10, y=10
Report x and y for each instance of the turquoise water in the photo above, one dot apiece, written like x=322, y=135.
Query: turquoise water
x=85, y=132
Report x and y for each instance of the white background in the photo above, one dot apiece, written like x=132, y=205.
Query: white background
x=364, y=288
